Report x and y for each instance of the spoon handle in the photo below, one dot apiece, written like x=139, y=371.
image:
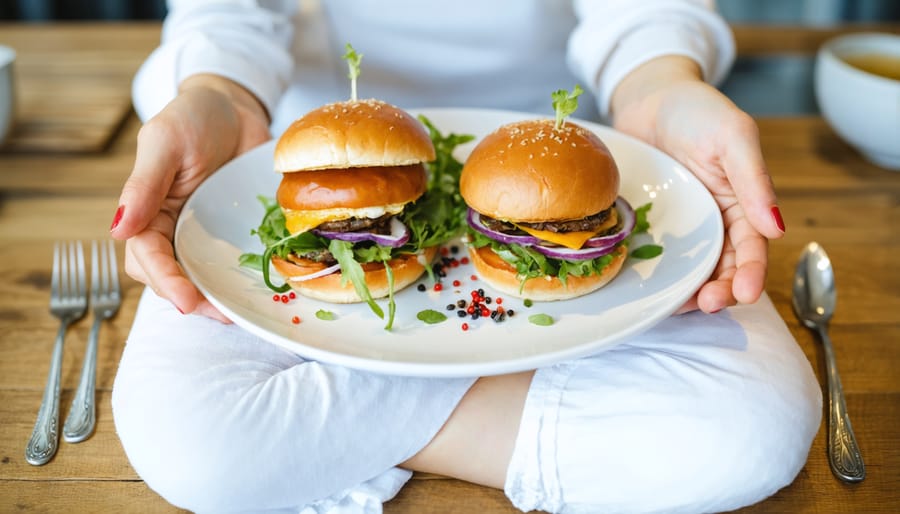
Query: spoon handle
x=843, y=451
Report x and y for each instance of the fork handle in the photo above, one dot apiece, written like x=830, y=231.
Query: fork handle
x=45, y=437
x=82, y=414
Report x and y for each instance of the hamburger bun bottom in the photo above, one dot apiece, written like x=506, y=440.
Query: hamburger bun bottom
x=498, y=274
x=406, y=269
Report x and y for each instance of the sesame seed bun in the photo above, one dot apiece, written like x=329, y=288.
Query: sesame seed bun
x=531, y=172
x=352, y=134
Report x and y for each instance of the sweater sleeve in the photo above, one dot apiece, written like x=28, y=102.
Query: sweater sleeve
x=245, y=41
x=613, y=37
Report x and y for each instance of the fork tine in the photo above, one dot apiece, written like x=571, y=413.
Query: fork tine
x=113, y=270
x=95, y=274
x=81, y=292
x=64, y=278
x=54, y=278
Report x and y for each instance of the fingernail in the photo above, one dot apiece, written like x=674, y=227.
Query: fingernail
x=117, y=218
x=179, y=309
x=776, y=215
x=715, y=311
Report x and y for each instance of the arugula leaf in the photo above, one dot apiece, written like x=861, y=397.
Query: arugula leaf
x=392, y=306
x=565, y=103
x=439, y=214
x=352, y=271
x=353, y=59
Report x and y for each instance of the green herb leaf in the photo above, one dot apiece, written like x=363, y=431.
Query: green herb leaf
x=392, y=306
x=253, y=261
x=528, y=302
x=431, y=316
x=325, y=315
x=352, y=271
x=541, y=319
x=641, y=224
x=647, y=252
x=266, y=259
x=565, y=103
x=353, y=59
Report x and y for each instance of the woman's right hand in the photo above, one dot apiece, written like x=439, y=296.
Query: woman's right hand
x=211, y=121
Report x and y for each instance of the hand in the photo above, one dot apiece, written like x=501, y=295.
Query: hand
x=664, y=103
x=211, y=121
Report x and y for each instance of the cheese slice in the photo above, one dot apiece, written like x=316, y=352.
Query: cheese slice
x=302, y=221
x=573, y=240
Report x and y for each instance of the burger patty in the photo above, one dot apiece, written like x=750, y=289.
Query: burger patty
x=380, y=225
x=588, y=223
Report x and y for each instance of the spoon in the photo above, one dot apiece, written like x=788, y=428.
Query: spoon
x=814, y=300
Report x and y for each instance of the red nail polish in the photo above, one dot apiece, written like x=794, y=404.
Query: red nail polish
x=776, y=214
x=117, y=218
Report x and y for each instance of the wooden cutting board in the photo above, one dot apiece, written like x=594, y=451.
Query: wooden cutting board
x=73, y=84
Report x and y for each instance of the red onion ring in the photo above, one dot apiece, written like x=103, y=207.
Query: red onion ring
x=628, y=221
x=321, y=273
x=593, y=248
x=568, y=254
x=474, y=220
x=398, y=237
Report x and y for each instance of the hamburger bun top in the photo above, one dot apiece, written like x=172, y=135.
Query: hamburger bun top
x=530, y=172
x=353, y=134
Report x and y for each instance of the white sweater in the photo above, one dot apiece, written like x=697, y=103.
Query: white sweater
x=502, y=54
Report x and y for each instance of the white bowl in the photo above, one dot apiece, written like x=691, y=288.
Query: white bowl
x=862, y=107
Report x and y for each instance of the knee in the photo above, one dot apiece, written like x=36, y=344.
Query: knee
x=162, y=436
x=203, y=443
x=705, y=436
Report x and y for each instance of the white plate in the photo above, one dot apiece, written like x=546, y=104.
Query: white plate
x=214, y=229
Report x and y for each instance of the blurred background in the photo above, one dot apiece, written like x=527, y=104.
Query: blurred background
x=763, y=85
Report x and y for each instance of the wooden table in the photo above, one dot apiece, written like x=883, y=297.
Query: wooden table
x=826, y=191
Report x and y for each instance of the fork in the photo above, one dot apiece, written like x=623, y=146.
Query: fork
x=68, y=302
x=105, y=300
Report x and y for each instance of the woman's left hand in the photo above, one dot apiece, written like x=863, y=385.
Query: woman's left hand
x=665, y=103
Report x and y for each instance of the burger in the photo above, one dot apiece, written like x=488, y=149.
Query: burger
x=545, y=218
x=340, y=231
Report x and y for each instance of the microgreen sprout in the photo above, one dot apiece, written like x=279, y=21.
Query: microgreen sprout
x=565, y=103
x=353, y=60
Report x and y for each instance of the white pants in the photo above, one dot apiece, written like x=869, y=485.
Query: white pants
x=703, y=413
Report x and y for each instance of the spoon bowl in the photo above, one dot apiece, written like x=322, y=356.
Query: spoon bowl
x=814, y=299
x=814, y=295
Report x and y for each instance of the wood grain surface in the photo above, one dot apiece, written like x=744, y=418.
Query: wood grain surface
x=827, y=193
x=73, y=83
